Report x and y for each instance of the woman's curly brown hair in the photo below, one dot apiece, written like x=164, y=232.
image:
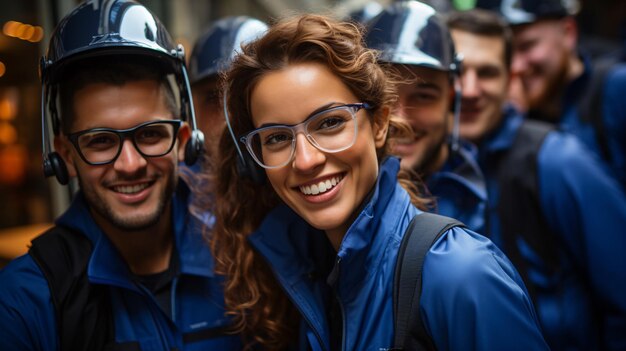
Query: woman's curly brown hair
x=260, y=309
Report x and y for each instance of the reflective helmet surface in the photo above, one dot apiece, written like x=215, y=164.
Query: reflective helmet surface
x=365, y=13
x=217, y=47
x=103, y=27
x=517, y=12
x=412, y=33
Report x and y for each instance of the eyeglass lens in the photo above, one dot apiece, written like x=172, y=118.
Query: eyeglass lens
x=333, y=130
x=154, y=139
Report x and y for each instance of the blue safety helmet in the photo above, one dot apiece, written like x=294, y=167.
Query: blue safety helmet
x=217, y=47
x=109, y=27
x=517, y=12
x=412, y=33
x=99, y=28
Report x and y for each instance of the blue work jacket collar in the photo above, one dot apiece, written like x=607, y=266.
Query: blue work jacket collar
x=284, y=238
x=288, y=243
x=358, y=252
x=106, y=265
x=502, y=138
x=462, y=166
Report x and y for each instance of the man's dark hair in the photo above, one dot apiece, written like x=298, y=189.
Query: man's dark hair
x=115, y=70
x=486, y=23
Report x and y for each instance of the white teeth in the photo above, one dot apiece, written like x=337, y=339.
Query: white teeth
x=130, y=189
x=315, y=190
x=320, y=187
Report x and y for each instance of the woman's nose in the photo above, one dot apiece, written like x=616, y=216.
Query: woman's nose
x=306, y=156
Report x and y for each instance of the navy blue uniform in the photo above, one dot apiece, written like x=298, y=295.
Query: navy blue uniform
x=460, y=190
x=27, y=315
x=613, y=116
x=584, y=306
x=472, y=297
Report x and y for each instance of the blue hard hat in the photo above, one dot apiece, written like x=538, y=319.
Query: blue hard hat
x=102, y=28
x=217, y=47
x=108, y=27
x=412, y=33
x=517, y=12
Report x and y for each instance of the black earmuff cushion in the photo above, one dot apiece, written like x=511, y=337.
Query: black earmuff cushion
x=194, y=147
x=247, y=168
x=54, y=164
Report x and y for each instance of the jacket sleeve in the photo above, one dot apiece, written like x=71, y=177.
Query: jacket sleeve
x=27, y=318
x=586, y=207
x=473, y=298
x=614, y=119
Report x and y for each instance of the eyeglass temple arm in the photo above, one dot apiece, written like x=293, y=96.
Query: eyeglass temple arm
x=230, y=129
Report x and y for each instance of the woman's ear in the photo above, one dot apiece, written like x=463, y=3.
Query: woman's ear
x=381, y=126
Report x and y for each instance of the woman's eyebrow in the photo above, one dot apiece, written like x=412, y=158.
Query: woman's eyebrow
x=318, y=110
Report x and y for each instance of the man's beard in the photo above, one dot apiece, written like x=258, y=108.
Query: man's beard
x=431, y=156
x=547, y=104
x=102, y=208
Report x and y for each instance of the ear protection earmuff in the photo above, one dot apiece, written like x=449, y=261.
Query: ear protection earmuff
x=53, y=165
x=246, y=167
x=455, y=69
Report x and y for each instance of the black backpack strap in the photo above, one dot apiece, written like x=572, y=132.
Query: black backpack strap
x=590, y=107
x=83, y=310
x=420, y=235
x=519, y=205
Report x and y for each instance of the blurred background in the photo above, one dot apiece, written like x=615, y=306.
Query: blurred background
x=29, y=202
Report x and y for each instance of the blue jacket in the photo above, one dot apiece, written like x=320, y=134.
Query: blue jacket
x=460, y=190
x=586, y=210
x=27, y=317
x=613, y=116
x=473, y=299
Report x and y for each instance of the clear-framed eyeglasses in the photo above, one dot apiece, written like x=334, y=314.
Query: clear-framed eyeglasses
x=331, y=130
x=100, y=146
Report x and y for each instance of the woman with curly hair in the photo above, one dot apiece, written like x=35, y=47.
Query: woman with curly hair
x=309, y=255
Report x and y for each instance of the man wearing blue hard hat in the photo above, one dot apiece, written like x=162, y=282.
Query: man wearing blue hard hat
x=125, y=267
x=413, y=38
x=213, y=52
x=561, y=83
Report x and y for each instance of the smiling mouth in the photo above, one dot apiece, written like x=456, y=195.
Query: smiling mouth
x=130, y=189
x=321, y=187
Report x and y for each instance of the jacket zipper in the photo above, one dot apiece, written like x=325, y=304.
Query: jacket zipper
x=343, y=322
x=174, y=288
x=291, y=298
x=159, y=323
x=341, y=308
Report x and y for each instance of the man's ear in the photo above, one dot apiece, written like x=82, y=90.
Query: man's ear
x=570, y=30
x=64, y=148
x=381, y=126
x=184, y=133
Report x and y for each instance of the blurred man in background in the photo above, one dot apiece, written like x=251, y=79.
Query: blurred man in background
x=553, y=208
x=561, y=84
x=415, y=41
